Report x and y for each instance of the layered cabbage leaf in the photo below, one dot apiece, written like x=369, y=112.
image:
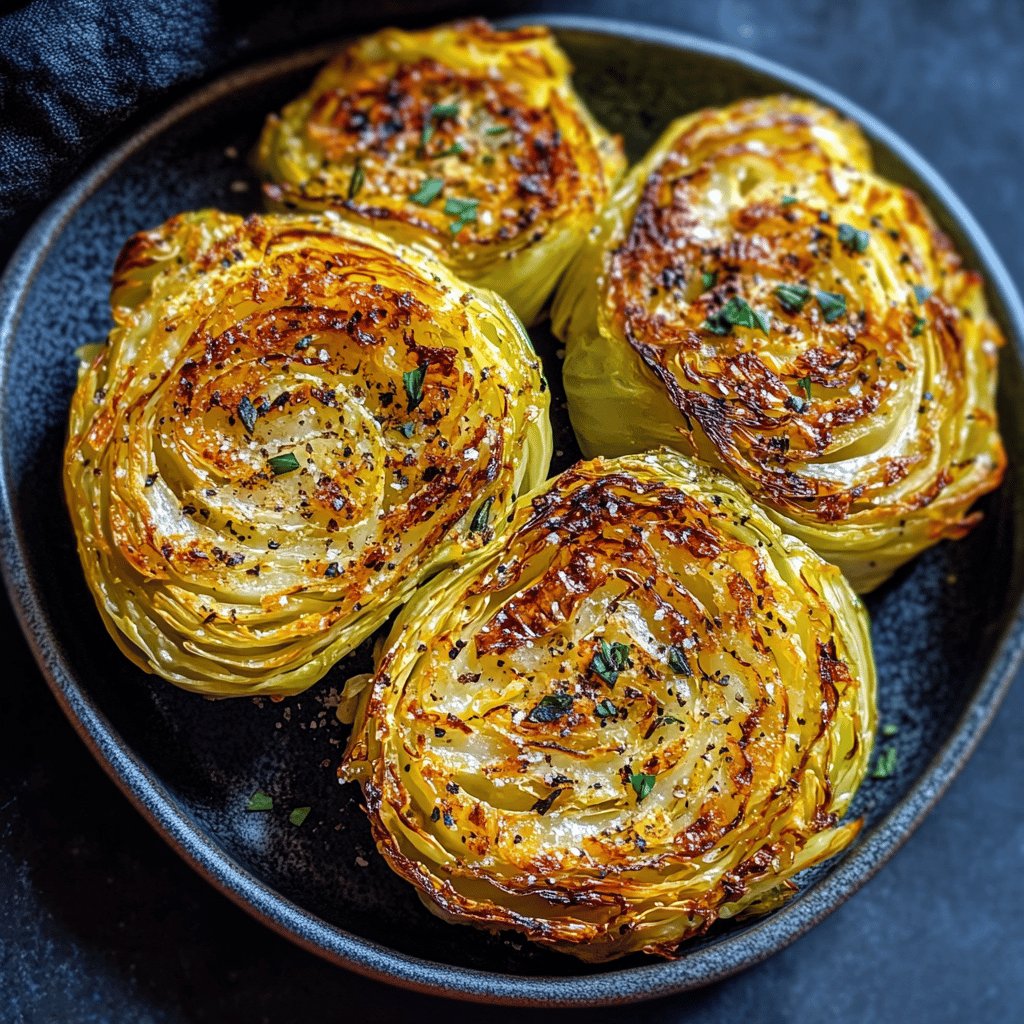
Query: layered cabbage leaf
x=642, y=709
x=465, y=139
x=756, y=295
x=294, y=421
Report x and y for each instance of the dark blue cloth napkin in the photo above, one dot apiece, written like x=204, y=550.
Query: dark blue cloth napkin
x=73, y=72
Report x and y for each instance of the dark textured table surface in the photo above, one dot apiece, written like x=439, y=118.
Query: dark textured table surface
x=101, y=922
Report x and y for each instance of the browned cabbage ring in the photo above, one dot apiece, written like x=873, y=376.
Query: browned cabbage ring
x=757, y=296
x=642, y=709
x=294, y=422
x=465, y=139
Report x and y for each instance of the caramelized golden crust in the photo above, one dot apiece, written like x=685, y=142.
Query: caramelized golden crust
x=643, y=709
x=465, y=139
x=804, y=324
x=293, y=421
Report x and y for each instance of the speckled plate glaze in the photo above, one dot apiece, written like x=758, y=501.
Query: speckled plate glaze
x=948, y=630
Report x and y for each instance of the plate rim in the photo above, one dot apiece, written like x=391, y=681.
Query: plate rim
x=184, y=835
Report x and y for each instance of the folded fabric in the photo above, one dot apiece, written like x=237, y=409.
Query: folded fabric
x=73, y=72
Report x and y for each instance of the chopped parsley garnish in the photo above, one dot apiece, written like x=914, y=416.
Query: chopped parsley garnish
x=738, y=312
x=642, y=784
x=678, y=663
x=833, y=305
x=358, y=179
x=667, y=720
x=853, y=239
x=299, y=815
x=497, y=129
x=284, y=463
x=551, y=707
x=463, y=210
x=247, y=413
x=482, y=517
x=260, y=801
x=921, y=293
x=413, y=383
x=889, y=730
x=918, y=326
x=788, y=200
x=407, y=429
x=428, y=191
x=708, y=280
x=453, y=150
x=792, y=297
x=610, y=660
x=805, y=384
x=606, y=709
x=439, y=110
x=885, y=765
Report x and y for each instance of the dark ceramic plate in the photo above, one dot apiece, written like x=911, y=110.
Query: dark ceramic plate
x=947, y=630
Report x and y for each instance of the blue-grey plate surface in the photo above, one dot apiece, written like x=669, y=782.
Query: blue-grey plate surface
x=947, y=630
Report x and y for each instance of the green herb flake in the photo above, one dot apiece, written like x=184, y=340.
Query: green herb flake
x=606, y=709
x=792, y=297
x=889, y=730
x=738, y=312
x=260, y=801
x=304, y=343
x=853, y=239
x=788, y=200
x=833, y=305
x=678, y=663
x=407, y=429
x=454, y=149
x=412, y=380
x=247, y=414
x=299, y=815
x=286, y=463
x=496, y=129
x=642, y=784
x=717, y=324
x=356, y=182
x=463, y=210
x=482, y=517
x=708, y=280
x=440, y=110
x=918, y=326
x=921, y=293
x=885, y=765
x=610, y=660
x=437, y=111
x=428, y=191
x=663, y=720
x=551, y=707
x=805, y=384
